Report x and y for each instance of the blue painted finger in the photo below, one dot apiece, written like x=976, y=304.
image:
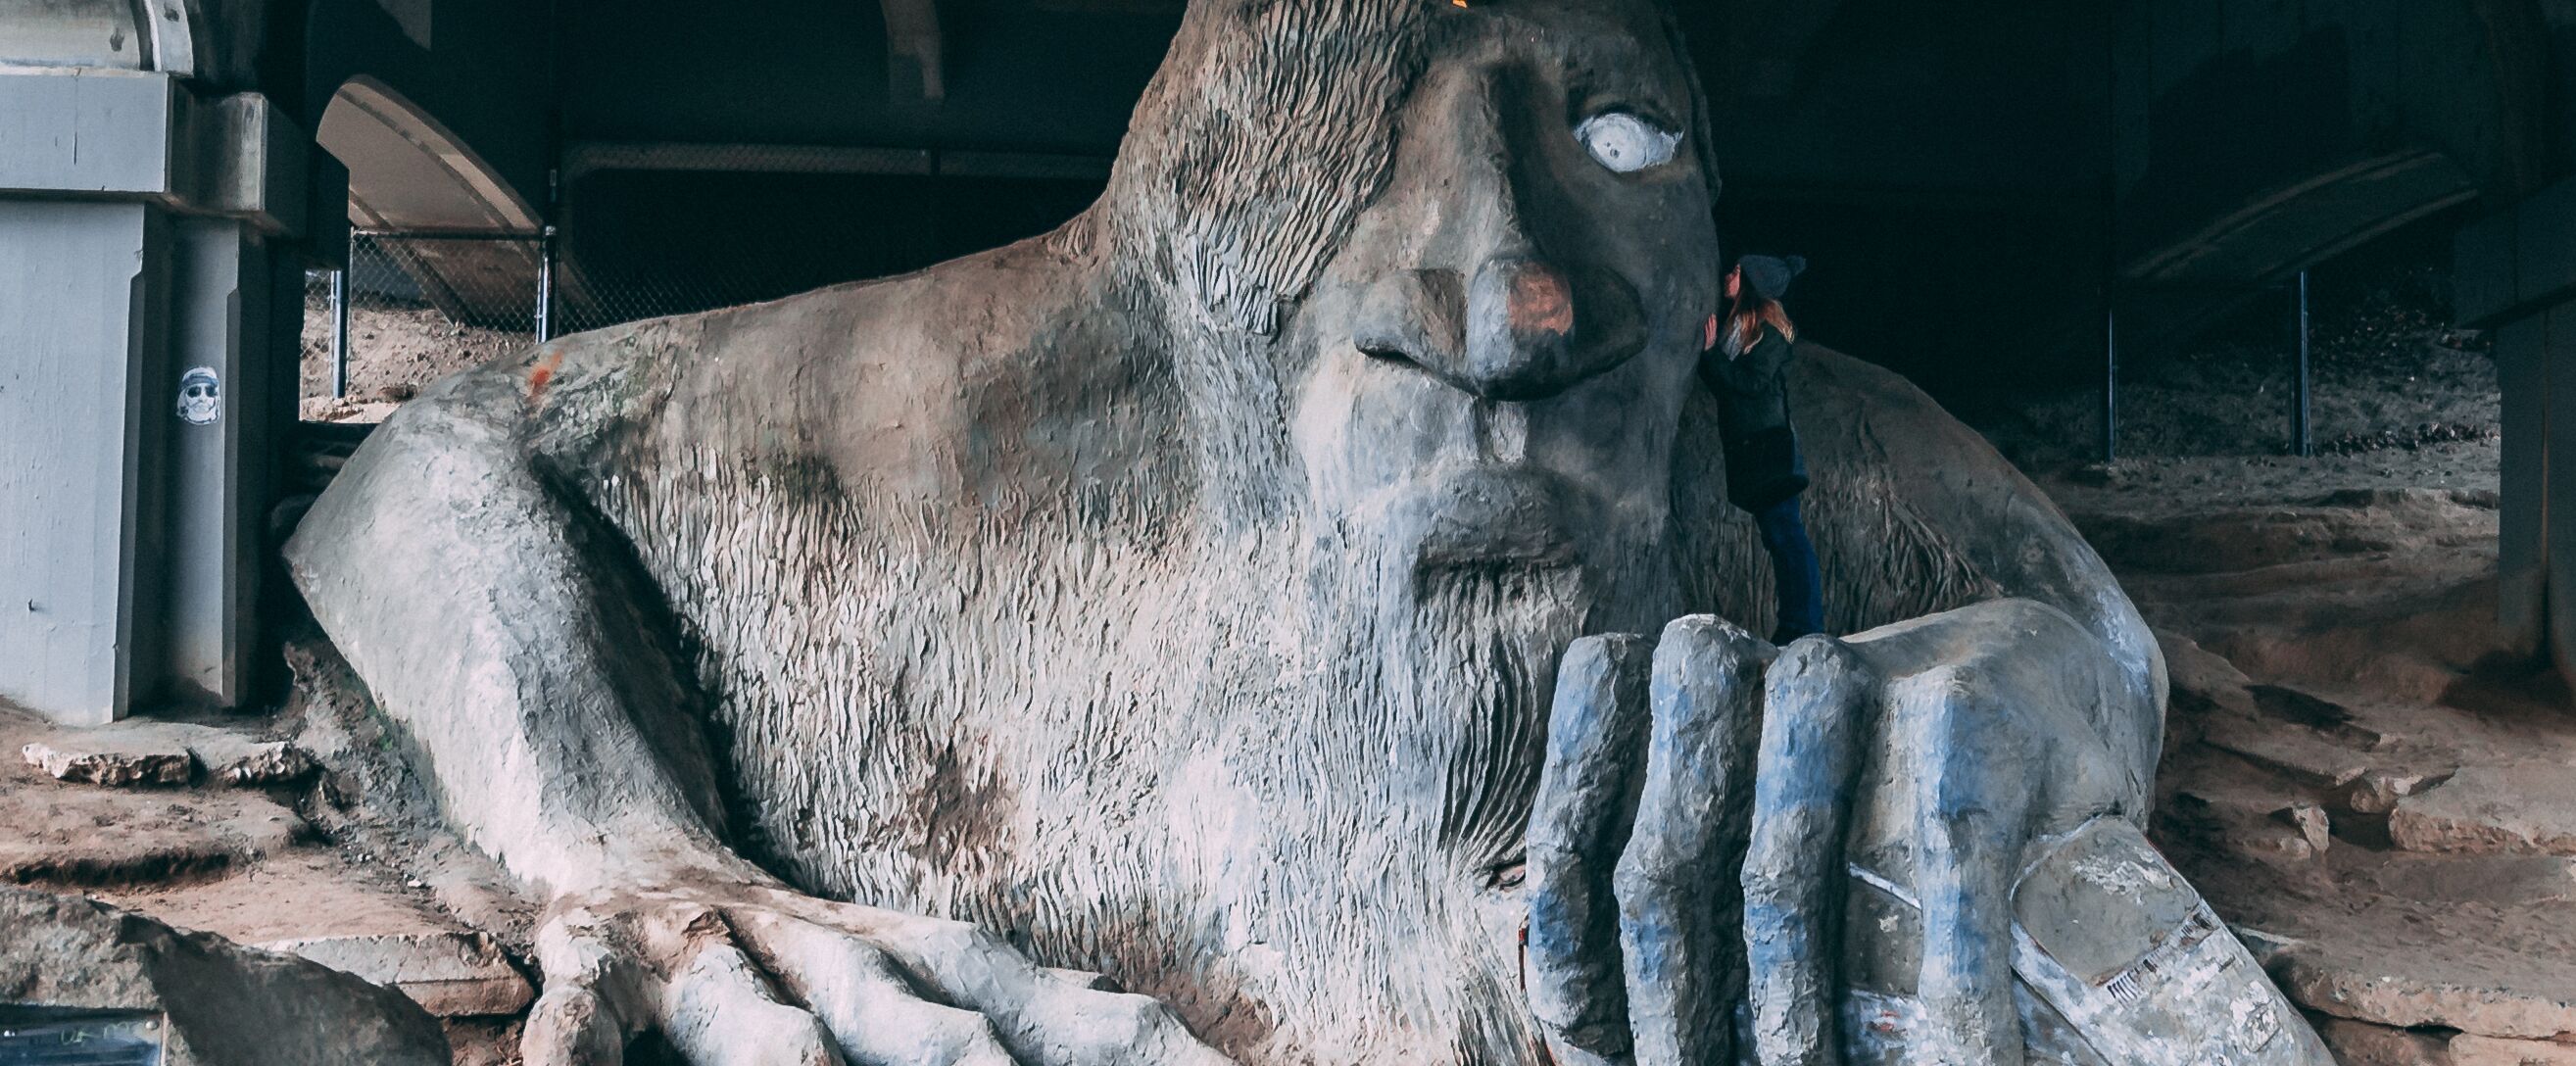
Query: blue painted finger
x=1818, y=704
x=1678, y=900
x=1587, y=799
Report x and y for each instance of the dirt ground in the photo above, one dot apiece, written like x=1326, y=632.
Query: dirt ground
x=394, y=349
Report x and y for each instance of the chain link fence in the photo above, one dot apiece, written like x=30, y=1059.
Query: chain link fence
x=411, y=308
x=646, y=231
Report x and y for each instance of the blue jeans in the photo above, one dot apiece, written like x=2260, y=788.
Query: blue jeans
x=1794, y=576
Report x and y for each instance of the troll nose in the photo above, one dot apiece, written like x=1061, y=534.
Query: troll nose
x=1520, y=329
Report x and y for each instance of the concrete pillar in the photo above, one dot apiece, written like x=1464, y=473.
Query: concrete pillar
x=83, y=292
x=2522, y=554
x=2515, y=272
x=140, y=231
x=2555, y=339
x=219, y=463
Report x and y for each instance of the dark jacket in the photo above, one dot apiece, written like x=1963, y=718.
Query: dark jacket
x=1763, y=466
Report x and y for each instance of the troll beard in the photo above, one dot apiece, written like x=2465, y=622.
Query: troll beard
x=1374, y=897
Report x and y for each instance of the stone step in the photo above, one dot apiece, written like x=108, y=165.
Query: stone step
x=2526, y=808
x=2363, y=1044
x=451, y=974
x=2472, y=994
x=93, y=837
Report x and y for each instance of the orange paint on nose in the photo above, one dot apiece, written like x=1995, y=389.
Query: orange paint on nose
x=1540, y=302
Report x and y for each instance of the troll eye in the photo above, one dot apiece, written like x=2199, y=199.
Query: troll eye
x=1626, y=143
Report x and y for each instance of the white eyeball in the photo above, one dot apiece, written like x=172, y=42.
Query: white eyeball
x=1625, y=143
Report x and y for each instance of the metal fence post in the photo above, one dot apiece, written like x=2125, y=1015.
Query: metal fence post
x=340, y=322
x=2110, y=265
x=545, y=284
x=2301, y=430
x=2110, y=383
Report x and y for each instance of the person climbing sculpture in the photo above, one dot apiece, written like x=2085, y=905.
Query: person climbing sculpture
x=1205, y=632
x=1746, y=367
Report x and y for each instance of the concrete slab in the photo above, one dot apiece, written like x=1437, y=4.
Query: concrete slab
x=2482, y=880
x=234, y=863
x=144, y=753
x=2514, y=809
x=2471, y=1050
x=449, y=973
x=112, y=763
x=2290, y=749
x=2265, y=824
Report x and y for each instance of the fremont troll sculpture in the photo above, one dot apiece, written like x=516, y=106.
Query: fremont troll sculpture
x=1191, y=636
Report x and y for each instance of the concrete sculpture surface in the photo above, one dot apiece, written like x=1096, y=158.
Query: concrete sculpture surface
x=1221, y=594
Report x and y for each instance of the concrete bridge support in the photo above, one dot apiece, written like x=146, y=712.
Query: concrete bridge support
x=2516, y=273
x=150, y=315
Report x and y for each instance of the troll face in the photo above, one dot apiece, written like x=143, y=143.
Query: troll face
x=1494, y=362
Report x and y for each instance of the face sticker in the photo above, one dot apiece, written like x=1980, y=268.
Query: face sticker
x=1625, y=143
x=201, y=398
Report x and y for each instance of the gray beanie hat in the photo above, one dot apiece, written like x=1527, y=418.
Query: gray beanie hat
x=1768, y=276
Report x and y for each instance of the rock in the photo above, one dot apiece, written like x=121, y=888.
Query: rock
x=111, y=762
x=139, y=752
x=2377, y=791
x=450, y=974
x=2522, y=809
x=219, y=1004
x=2469, y=1049
x=2310, y=820
x=2363, y=1044
x=246, y=762
x=2376, y=993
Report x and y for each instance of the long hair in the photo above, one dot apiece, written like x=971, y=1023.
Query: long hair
x=1751, y=312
